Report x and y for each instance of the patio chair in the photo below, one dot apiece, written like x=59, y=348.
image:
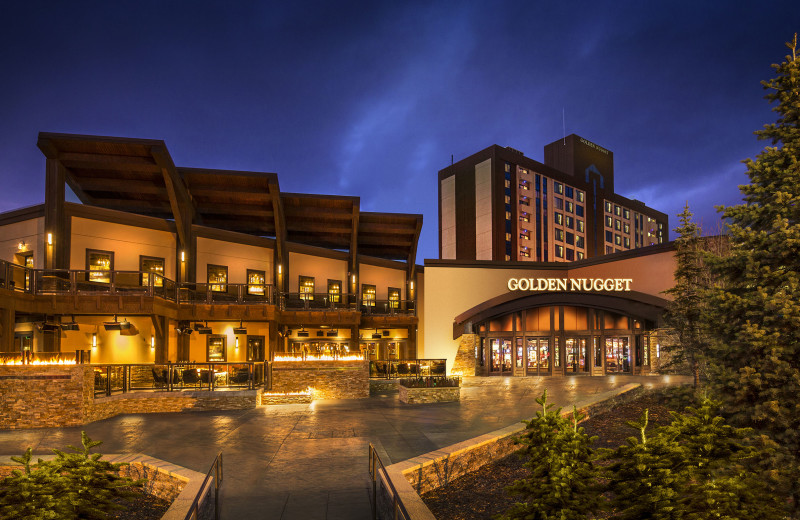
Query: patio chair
x=240, y=377
x=190, y=377
x=159, y=380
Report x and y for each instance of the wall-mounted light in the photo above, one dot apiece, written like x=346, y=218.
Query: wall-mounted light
x=354, y=278
x=22, y=246
x=94, y=340
x=237, y=342
x=49, y=239
x=183, y=256
x=280, y=269
x=152, y=342
x=411, y=285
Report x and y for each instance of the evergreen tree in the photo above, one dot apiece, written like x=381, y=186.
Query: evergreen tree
x=755, y=303
x=687, y=345
x=563, y=480
x=697, y=467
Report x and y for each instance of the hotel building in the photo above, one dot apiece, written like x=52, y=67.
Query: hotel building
x=163, y=263
x=499, y=205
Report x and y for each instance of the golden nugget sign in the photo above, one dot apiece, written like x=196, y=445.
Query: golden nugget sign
x=570, y=284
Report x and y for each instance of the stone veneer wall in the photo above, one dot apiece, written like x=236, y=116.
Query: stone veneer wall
x=329, y=379
x=42, y=396
x=429, y=395
x=464, y=364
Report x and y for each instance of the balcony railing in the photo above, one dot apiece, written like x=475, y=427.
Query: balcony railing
x=114, y=379
x=81, y=281
x=228, y=293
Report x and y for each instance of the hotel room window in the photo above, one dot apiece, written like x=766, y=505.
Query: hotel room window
x=570, y=206
x=569, y=222
x=579, y=255
x=99, y=264
x=558, y=188
x=608, y=207
x=558, y=218
x=570, y=238
x=151, y=267
x=394, y=298
x=558, y=203
x=626, y=213
x=524, y=253
x=628, y=242
x=508, y=199
x=609, y=250
x=627, y=227
x=617, y=224
x=306, y=287
x=255, y=282
x=559, y=235
x=609, y=221
x=617, y=240
x=579, y=210
x=368, y=295
x=579, y=241
x=508, y=215
x=609, y=236
x=335, y=290
x=581, y=197
x=217, y=278
x=559, y=251
x=570, y=254
x=568, y=191
x=617, y=210
x=215, y=348
x=579, y=227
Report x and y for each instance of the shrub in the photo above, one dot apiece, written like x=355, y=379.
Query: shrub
x=72, y=486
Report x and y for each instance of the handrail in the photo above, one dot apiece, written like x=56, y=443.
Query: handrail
x=375, y=467
x=194, y=508
x=116, y=282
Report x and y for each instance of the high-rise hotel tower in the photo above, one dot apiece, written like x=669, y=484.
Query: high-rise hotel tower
x=499, y=205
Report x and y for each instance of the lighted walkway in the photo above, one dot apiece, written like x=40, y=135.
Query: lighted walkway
x=310, y=461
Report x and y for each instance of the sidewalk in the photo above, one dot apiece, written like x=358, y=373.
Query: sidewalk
x=310, y=461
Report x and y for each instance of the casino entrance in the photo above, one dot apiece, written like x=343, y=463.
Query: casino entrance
x=558, y=340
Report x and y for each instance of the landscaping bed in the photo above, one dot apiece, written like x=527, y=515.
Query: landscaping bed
x=481, y=495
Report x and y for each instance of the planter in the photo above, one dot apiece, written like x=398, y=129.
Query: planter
x=429, y=394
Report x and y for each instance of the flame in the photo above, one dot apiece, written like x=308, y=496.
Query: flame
x=38, y=362
x=307, y=392
x=324, y=357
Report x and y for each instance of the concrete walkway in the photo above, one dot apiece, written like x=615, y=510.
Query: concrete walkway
x=310, y=461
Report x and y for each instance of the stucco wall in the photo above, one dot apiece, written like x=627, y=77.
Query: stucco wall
x=29, y=231
x=452, y=290
x=320, y=268
x=383, y=278
x=237, y=257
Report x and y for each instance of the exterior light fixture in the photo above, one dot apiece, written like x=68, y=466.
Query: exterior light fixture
x=240, y=329
x=280, y=269
x=411, y=284
x=237, y=342
x=183, y=256
x=94, y=340
x=354, y=278
x=49, y=239
x=22, y=246
x=152, y=342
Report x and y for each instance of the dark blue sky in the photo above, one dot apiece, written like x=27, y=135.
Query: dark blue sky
x=372, y=98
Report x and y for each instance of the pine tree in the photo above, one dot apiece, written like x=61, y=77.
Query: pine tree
x=755, y=304
x=697, y=467
x=689, y=346
x=563, y=479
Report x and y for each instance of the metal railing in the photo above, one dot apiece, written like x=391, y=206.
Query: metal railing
x=227, y=293
x=387, y=307
x=216, y=471
x=378, y=474
x=399, y=368
x=311, y=301
x=82, y=281
x=112, y=379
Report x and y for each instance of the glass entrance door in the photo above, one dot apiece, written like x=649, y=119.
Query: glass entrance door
x=500, y=355
x=577, y=355
x=618, y=355
x=538, y=356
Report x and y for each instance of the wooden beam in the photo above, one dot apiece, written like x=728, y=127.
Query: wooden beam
x=121, y=186
x=352, y=265
x=91, y=161
x=54, y=216
x=281, y=255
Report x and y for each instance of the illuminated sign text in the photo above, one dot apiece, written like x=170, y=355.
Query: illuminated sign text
x=570, y=284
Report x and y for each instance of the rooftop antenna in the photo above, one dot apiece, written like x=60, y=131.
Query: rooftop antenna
x=451, y=159
x=564, y=124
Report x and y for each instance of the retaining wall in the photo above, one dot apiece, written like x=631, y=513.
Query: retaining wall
x=329, y=379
